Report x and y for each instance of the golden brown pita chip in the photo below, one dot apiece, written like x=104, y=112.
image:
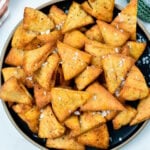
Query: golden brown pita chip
x=22, y=37
x=143, y=111
x=96, y=61
x=133, y=49
x=42, y=96
x=87, y=76
x=127, y=19
x=13, y=71
x=75, y=39
x=28, y=114
x=100, y=9
x=15, y=57
x=64, y=142
x=88, y=120
x=49, y=126
x=33, y=59
x=76, y=18
x=97, y=137
x=116, y=67
x=44, y=75
x=74, y=61
x=101, y=100
x=36, y=20
x=65, y=101
x=52, y=37
x=14, y=91
x=94, y=34
x=112, y=35
x=73, y=123
x=135, y=86
x=124, y=117
x=57, y=15
x=100, y=49
x=34, y=44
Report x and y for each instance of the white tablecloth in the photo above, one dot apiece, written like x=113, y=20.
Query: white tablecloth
x=10, y=138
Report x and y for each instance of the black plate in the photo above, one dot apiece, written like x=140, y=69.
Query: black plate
x=116, y=137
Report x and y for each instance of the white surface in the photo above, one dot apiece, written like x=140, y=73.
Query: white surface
x=10, y=138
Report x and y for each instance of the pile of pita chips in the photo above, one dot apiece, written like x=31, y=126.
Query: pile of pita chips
x=68, y=73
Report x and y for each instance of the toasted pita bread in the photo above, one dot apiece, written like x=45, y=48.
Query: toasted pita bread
x=64, y=142
x=88, y=120
x=33, y=59
x=13, y=71
x=73, y=123
x=97, y=137
x=87, y=76
x=22, y=37
x=76, y=18
x=74, y=61
x=52, y=37
x=36, y=20
x=57, y=15
x=124, y=117
x=96, y=61
x=75, y=39
x=15, y=57
x=14, y=91
x=135, y=86
x=49, y=127
x=100, y=9
x=112, y=35
x=65, y=101
x=29, y=114
x=100, y=49
x=101, y=100
x=94, y=34
x=116, y=67
x=143, y=111
x=127, y=19
x=133, y=49
x=44, y=75
x=42, y=96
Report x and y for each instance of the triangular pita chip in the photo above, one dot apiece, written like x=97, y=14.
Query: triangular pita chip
x=124, y=117
x=22, y=37
x=65, y=101
x=94, y=34
x=42, y=96
x=49, y=126
x=76, y=18
x=116, y=67
x=133, y=49
x=127, y=19
x=29, y=114
x=14, y=91
x=112, y=35
x=57, y=15
x=73, y=123
x=87, y=76
x=100, y=9
x=33, y=59
x=88, y=120
x=74, y=61
x=44, y=76
x=36, y=20
x=135, y=86
x=143, y=111
x=101, y=100
x=15, y=57
x=64, y=142
x=13, y=71
x=100, y=49
x=97, y=137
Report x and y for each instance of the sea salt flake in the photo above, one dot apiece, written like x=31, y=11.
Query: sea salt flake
x=41, y=116
x=44, y=93
x=29, y=78
x=117, y=93
x=44, y=64
x=117, y=50
x=120, y=139
x=77, y=113
x=45, y=32
x=94, y=97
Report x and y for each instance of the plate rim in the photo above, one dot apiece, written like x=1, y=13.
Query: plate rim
x=12, y=121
